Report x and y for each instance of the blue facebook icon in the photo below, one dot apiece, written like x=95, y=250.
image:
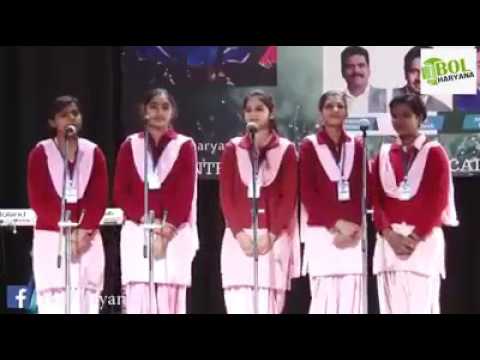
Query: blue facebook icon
x=17, y=297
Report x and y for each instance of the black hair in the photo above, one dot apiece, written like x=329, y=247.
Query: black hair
x=351, y=51
x=267, y=100
x=414, y=102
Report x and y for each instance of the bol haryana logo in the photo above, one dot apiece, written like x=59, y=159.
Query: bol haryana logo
x=435, y=71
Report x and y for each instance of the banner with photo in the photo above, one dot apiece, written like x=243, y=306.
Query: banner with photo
x=210, y=82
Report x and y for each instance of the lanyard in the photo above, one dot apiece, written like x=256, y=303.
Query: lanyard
x=341, y=162
x=407, y=162
x=70, y=171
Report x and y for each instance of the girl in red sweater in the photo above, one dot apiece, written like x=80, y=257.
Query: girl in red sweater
x=172, y=179
x=331, y=190
x=278, y=247
x=413, y=198
x=87, y=194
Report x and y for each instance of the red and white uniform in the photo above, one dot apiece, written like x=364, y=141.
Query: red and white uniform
x=335, y=274
x=411, y=284
x=277, y=214
x=174, y=162
x=89, y=177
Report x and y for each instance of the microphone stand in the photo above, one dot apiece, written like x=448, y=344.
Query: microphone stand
x=254, y=157
x=364, y=220
x=149, y=226
x=148, y=220
x=65, y=225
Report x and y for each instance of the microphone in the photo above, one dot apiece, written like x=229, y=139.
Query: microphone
x=71, y=131
x=252, y=128
x=364, y=124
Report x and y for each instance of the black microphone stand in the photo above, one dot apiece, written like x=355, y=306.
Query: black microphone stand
x=65, y=226
x=364, y=129
x=254, y=157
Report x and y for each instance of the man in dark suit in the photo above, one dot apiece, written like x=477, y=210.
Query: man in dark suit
x=412, y=69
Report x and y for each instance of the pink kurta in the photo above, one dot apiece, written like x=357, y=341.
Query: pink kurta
x=428, y=257
x=88, y=272
x=282, y=263
x=411, y=284
x=175, y=268
x=321, y=256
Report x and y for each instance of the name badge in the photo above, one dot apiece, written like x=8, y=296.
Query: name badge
x=405, y=191
x=71, y=196
x=258, y=187
x=343, y=190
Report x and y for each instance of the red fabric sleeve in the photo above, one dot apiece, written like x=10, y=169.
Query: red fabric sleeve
x=378, y=196
x=42, y=200
x=310, y=193
x=287, y=192
x=123, y=184
x=228, y=163
x=179, y=191
x=434, y=190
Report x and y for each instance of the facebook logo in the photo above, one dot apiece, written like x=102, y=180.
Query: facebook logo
x=17, y=297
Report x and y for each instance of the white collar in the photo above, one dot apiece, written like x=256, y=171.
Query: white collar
x=365, y=93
